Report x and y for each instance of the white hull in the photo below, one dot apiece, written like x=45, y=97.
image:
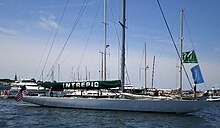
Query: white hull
x=213, y=99
x=32, y=90
x=143, y=105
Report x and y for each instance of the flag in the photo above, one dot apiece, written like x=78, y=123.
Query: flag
x=189, y=57
x=197, y=75
x=21, y=93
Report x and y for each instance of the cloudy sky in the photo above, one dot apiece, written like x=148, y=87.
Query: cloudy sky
x=33, y=34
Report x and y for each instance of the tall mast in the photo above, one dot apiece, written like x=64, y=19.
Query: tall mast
x=181, y=49
x=145, y=66
x=86, y=72
x=153, y=73
x=52, y=75
x=73, y=75
x=105, y=38
x=42, y=75
x=58, y=72
x=101, y=71
x=78, y=74
x=123, y=47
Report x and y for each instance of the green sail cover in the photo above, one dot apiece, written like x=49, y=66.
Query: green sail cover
x=83, y=84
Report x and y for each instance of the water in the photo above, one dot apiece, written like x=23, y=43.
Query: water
x=21, y=114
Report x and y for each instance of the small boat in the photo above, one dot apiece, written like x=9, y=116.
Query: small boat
x=214, y=95
x=213, y=98
x=4, y=90
x=4, y=86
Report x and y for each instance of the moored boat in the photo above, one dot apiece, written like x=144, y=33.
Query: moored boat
x=4, y=90
x=213, y=98
x=214, y=95
x=143, y=105
x=32, y=87
x=125, y=102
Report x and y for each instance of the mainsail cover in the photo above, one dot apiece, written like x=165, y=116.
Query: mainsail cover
x=197, y=75
x=83, y=84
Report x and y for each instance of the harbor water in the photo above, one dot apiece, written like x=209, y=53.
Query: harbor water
x=25, y=115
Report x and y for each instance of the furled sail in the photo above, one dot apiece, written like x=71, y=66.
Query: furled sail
x=83, y=84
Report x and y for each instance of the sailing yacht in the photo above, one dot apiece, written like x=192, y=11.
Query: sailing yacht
x=121, y=103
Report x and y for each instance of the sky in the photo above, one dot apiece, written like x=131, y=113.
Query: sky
x=33, y=34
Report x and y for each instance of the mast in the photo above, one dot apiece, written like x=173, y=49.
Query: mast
x=42, y=75
x=52, y=75
x=73, y=74
x=101, y=72
x=78, y=74
x=123, y=47
x=58, y=72
x=153, y=73
x=86, y=72
x=145, y=66
x=105, y=38
x=181, y=50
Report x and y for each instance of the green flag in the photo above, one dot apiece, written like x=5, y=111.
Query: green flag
x=189, y=57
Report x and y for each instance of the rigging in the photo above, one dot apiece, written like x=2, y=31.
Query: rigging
x=73, y=28
x=52, y=42
x=179, y=55
x=54, y=37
